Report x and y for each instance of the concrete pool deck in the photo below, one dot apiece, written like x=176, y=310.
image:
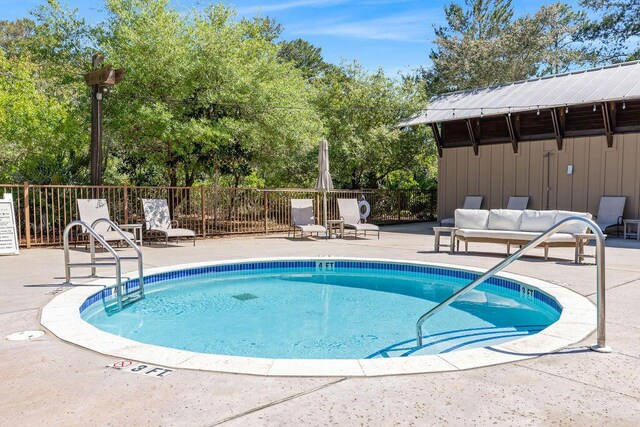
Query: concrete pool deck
x=49, y=381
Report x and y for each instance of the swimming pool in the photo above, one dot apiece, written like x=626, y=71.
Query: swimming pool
x=341, y=316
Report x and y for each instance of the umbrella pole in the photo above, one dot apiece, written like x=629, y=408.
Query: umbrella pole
x=324, y=206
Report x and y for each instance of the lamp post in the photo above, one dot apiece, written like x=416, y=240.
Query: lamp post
x=100, y=80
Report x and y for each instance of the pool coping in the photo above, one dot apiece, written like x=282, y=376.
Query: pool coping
x=61, y=316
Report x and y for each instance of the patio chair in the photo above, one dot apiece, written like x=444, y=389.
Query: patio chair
x=350, y=214
x=470, y=202
x=302, y=219
x=518, y=203
x=158, y=221
x=610, y=212
x=90, y=210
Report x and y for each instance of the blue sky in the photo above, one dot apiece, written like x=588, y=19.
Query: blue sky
x=395, y=35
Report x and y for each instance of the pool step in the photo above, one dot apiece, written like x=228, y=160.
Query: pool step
x=128, y=297
x=445, y=342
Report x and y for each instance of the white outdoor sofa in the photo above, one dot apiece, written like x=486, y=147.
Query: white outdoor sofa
x=515, y=227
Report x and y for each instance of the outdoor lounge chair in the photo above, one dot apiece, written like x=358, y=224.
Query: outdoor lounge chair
x=158, y=221
x=610, y=212
x=350, y=214
x=470, y=202
x=518, y=203
x=303, y=220
x=90, y=210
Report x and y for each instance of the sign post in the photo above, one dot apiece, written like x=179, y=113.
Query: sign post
x=8, y=231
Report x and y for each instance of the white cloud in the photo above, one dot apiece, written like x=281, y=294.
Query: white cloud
x=293, y=4
x=406, y=28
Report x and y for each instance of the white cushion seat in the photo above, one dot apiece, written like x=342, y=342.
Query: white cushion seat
x=513, y=235
x=311, y=228
x=513, y=226
x=362, y=227
x=112, y=236
x=179, y=232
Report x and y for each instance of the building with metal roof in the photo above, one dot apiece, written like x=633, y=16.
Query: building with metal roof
x=563, y=140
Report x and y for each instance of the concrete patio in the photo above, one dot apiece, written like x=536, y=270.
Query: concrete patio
x=48, y=381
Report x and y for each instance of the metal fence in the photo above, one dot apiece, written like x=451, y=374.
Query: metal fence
x=43, y=211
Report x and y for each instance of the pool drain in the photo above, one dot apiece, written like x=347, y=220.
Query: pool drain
x=244, y=297
x=24, y=335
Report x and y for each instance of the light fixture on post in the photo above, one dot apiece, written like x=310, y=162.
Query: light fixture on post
x=100, y=79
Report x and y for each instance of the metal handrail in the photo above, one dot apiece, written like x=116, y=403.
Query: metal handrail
x=93, y=234
x=93, y=264
x=600, y=346
x=130, y=242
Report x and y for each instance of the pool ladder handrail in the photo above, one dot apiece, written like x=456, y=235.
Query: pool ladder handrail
x=94, y=235
x=601, y=345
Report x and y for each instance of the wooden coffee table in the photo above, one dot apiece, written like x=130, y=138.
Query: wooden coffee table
x=627, y=230
x=451, y=231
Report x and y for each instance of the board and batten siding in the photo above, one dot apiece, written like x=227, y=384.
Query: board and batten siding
x=497, y=173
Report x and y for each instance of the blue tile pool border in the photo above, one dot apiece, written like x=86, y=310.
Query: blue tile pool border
x=336, y=266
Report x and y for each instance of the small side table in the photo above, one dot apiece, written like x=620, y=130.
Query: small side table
x=582, y=240
x=627, y=230
x=135, y=229
x=438, y=234
x=337, y=224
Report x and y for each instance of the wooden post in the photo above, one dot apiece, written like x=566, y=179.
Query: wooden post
x=126, y=204
x=100, y=79
x=27, y=216
x=203, y=213
x=266, y=212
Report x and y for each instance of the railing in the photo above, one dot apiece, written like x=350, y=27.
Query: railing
x=43, y=211
x=116, y=259
x=601, y=345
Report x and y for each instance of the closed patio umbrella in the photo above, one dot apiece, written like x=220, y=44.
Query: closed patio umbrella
x=324, y=182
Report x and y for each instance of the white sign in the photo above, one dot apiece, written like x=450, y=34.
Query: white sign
x=141, y=368
x=8, y=230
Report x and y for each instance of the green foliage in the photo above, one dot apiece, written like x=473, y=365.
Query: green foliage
x=37, y=131
x=360, y=111
x=304, y=56
x=615, y=33
x=201, y=93
x=483, y=45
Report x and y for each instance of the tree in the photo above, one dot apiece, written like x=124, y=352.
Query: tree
x=616, y=32
x=559, y=27
x=361, y=112
x=304, y=56
x=483, y=45
x=38, y=131
x=14, y=35
x=201, y=86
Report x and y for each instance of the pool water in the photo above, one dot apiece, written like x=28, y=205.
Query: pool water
x=348, y=313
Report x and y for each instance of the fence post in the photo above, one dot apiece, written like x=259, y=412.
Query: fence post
x=266, y=211
x=202, y=212
x=27, y=216
x=399, y=192
x=126, y=204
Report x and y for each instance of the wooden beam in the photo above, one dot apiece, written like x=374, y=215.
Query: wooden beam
x=608, y=125
x=512, y=133
x=472, y=137
x=558, y=127
x=437, y=138
x=105, y=76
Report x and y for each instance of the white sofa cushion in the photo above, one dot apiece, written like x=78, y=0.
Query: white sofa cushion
x=537, y=220
x=513, y=235
x=573, y=228
x=504, y=219
x=472, y=218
